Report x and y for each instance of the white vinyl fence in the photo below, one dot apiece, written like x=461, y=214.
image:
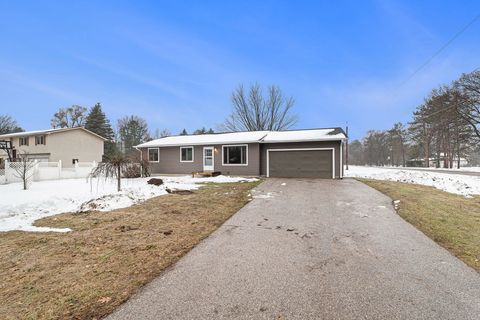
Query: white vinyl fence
x=45, y=171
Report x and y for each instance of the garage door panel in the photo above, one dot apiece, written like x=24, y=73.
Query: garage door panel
x=301, y=164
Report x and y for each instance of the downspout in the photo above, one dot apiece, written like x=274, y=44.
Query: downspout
x=141, y=160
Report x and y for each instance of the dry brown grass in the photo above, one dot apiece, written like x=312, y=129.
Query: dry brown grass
x=453, y=221
x=88, y=272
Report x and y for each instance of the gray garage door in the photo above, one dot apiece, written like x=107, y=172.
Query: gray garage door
x=301, y=164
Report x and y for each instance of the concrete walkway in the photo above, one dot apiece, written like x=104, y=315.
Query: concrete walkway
x=313, y=249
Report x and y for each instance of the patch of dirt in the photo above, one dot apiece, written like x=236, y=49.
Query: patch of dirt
x=180, y=192
x=86, y=273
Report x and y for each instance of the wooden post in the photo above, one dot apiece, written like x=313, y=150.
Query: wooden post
x=59, y=169
x=7, y=169
x=346, y=150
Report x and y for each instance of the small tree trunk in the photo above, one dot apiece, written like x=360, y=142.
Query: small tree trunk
x=24, y=175
x=119, y=177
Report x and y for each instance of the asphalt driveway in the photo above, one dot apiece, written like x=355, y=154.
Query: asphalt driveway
x=313, y=249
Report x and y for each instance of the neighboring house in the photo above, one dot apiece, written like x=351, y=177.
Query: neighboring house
x=314, y=153
x=69, y=145
x=443, y=162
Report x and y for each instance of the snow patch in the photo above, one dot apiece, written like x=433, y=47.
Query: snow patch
x=453, y=183
x=20, y=208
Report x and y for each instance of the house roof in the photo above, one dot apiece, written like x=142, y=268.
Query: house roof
x=330, y=134
x=47, y=131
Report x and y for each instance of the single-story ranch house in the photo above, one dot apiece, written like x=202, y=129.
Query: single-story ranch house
x=313, y=153
x=69, y=145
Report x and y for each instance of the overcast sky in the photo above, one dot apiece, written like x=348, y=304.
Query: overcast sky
x=176, y=63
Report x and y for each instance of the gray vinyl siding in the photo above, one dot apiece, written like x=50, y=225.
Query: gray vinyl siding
x=170, y=161
x=295, y=145
x=257, y=156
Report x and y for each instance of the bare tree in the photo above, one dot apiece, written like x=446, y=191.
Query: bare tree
x=71, y=117
x=8, y=125
x=115, y=165
x=161, y=133
x=132, y=131
x=255, y=112
x=397, y=140
x=356, y=153
x=469, y=88
x=376, y=148
x=24, y=169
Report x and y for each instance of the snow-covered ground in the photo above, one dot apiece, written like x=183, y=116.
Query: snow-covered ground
x=20, y=208
x=454, y=183
x=466, y=169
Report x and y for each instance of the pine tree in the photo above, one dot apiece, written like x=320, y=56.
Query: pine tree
x=200, y=131
x=184, y=132
x=98, y=123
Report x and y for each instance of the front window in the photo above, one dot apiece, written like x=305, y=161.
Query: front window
x=153, y=154
x=23, y=141
x=186, y=154
x=235, y=155
x=39, y=140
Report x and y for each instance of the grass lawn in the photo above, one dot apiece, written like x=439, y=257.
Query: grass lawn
x=86, y=273
x=451, y=220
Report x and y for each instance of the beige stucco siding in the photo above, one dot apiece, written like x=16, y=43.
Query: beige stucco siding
x=74, y=144
x=64, y=146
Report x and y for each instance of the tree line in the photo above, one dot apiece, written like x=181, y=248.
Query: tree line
x=252, y=110
x=444, y=129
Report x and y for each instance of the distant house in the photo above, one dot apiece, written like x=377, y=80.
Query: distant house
x=69, y=145
x=443, y=162
x=313, y=153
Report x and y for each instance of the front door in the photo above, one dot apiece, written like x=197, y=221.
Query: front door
x=208, y=159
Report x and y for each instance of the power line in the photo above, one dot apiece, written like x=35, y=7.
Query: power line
x=468, y=25
x=436, y=112
x=444, y=109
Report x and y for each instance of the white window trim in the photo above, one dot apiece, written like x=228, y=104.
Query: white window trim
x=193, y=153
x=43, y=137
x=234, y=164
x=301, y=149
x=27, y=139
x=148, y=154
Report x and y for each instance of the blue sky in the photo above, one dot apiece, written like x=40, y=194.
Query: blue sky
x=175, y=63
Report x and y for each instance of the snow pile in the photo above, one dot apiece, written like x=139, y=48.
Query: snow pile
x=466, y=169
x=453, y=183
x=20, y=208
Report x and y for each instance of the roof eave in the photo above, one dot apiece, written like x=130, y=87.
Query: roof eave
x=146, y=145
x=304, y=140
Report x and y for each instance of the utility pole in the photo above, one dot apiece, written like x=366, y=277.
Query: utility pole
x=346, y=149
